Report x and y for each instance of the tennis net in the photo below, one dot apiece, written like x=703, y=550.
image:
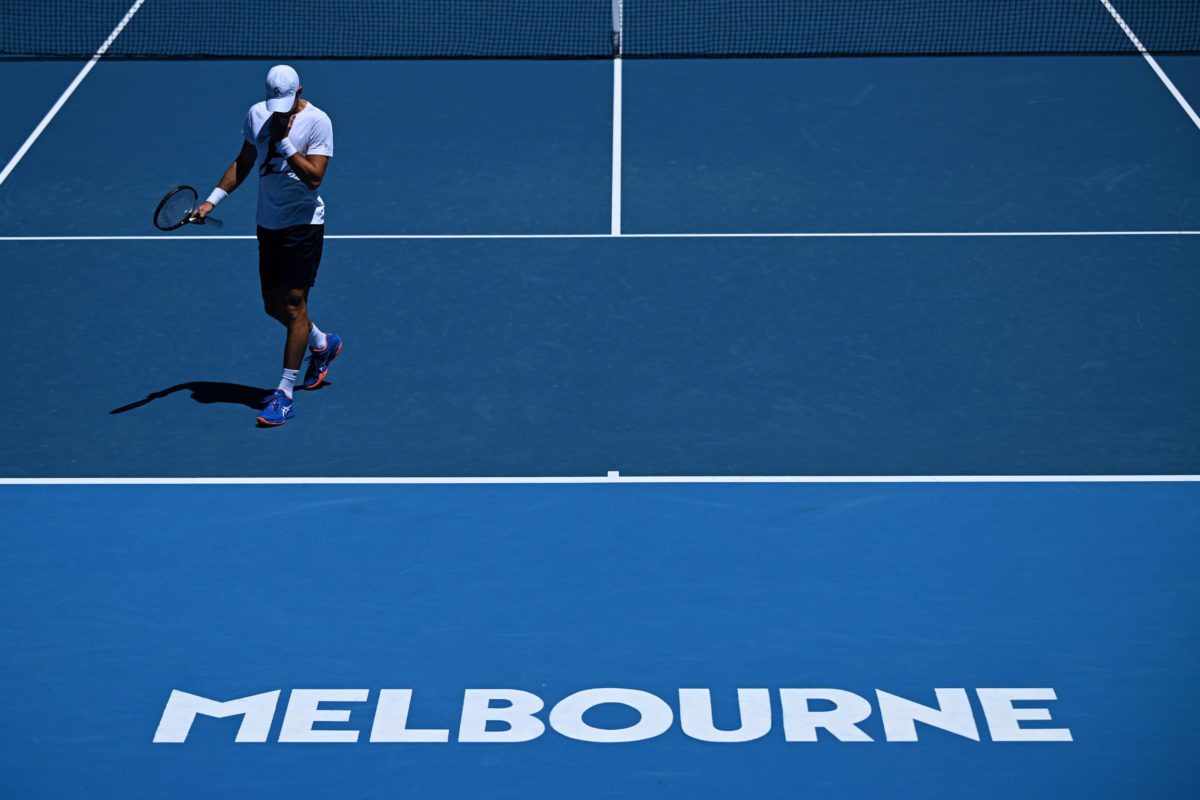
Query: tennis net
x=591, y=28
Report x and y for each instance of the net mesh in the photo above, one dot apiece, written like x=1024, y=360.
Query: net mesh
x=585, y=28
x=904, y=27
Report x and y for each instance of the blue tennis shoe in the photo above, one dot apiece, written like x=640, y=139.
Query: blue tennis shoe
x=318, y=362
x=279, y=409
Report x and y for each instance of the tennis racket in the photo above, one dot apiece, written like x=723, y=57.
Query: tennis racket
x=178, y=208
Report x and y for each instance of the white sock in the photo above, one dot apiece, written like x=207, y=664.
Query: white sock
x=288, y=381
x=316, y=339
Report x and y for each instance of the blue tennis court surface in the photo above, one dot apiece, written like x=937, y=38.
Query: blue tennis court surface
x=652, y=357
x=891, y=364
x=115, y=596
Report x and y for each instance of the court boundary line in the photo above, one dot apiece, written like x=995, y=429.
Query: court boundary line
x=787, y=235
x=1191, y=112
x=70, y=90
x=612, y=478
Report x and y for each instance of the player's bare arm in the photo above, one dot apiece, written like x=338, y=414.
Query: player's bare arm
x=309, y=169
x=235, y=173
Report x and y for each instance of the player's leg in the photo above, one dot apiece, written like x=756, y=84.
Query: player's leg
x=276, y=271
x=295, y=317
x=324, y=347
x=283, y=306
x=273, y=305
x=280, y=305
x=270, y=272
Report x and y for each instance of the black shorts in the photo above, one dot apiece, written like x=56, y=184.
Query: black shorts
x=288, y=258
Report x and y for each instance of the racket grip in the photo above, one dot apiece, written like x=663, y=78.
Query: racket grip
x=216, y=223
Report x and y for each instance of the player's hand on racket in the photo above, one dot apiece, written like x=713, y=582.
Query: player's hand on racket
x=201, y=212
x=179, y=208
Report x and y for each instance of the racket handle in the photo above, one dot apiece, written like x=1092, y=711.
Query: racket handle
x=216, y=223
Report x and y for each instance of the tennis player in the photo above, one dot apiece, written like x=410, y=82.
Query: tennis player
x=289, y=141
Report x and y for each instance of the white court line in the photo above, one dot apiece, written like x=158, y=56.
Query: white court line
x=1191, y=112
x=231, y=481
x=616, y=148
x=618, y=26
x=795, y=235
x=70, y=90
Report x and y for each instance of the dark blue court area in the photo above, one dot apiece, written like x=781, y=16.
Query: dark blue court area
x=858, y=386
x=648, y=356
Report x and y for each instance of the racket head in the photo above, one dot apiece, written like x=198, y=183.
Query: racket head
x=176, y=208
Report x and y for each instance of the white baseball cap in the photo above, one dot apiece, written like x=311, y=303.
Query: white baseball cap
x=282, y=84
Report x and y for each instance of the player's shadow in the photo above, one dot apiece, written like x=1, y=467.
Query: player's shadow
x=207, y=392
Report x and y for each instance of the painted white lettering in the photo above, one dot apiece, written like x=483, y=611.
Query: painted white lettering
x=953, y=713
x=800, y=723
x=567, y=716
x=696, y=715
x=518, y=715
x=391, y=720
x=1004, y=721
x=304, y=710
x=257, y=712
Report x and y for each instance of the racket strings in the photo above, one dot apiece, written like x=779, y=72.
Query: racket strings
x=176, y=209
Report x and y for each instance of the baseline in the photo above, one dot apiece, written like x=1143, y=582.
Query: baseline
x=791, y=235
x=610, y=478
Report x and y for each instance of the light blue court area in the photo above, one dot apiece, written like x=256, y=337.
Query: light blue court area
x=116, y=596
x=648, y=356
